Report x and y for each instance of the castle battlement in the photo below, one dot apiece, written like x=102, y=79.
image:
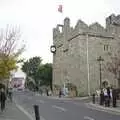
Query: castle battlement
x=113, y=19
x=67, y=32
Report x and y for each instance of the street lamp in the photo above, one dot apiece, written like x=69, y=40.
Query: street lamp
x=100, y=59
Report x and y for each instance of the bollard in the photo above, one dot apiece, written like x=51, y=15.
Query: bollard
x=101, y=98
x=108, y=101
x=114, y=102
x=108, y=97
x=114, y=97
x=36, y=109
x=94, y=98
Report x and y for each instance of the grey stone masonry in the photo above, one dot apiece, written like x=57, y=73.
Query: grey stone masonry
x=77, y=50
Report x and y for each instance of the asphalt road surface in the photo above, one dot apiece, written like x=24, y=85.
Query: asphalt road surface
x=54, y=109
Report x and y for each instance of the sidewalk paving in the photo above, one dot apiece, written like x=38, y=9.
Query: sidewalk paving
x=63, y=97
x=67, y=98
x=110, y=109
x=12, y=113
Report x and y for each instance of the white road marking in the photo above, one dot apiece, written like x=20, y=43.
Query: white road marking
x=102, y=110
x=60, y=108
x=26, y=113
x=88, y=118
x=41, y=101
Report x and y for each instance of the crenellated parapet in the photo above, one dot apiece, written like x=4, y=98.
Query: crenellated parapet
x=67, y=32
x=113, y=19
x=113, y=24
x=96, y=28
x=76, y=48
x=81, y=26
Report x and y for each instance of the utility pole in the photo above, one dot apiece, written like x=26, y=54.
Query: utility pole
x=88, y=75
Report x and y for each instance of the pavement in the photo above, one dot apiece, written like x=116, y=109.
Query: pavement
x=105, y=109
x=66, y=98
x=85, y=99
x=61, y=109
x=12, y=112
x=115, y=110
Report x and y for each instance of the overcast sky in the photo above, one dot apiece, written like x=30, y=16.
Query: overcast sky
x=37, y=18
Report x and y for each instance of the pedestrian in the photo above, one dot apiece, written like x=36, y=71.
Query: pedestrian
x=10, y=93
x=60, y=93
x=2, y=99
x=105, y=96
x=47, y=92
x=101, y=97
x=111, y=92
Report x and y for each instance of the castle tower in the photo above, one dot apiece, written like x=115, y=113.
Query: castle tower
x=78, y=48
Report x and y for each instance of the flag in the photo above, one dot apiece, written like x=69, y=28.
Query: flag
x=60, y=8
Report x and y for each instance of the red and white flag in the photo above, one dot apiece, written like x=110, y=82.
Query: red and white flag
x=60, y=8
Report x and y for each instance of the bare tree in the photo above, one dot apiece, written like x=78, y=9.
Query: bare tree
x=113, y=66
x=10, y=42
x=11, y=47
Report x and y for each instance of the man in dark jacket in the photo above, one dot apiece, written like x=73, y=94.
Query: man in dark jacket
x=2, y=99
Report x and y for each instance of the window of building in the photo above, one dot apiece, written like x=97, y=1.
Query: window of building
x=106, y=47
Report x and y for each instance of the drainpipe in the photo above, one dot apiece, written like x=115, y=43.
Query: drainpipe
x=88, y=75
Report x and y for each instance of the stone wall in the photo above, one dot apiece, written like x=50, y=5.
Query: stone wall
x=70, y=59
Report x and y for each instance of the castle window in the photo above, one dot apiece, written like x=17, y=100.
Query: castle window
x=106, y=47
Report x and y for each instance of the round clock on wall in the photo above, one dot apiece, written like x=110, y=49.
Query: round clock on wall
x=53, y=48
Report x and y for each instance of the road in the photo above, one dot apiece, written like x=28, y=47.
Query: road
x=53, y=109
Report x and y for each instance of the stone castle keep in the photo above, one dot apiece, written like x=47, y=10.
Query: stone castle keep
x=77, y=50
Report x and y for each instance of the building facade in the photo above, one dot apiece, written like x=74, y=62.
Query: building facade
x=77, y=50
x=18, y=82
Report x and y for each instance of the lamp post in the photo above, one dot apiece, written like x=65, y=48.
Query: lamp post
x=100, y=59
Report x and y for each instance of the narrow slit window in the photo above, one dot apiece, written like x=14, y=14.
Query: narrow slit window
x=106, y=47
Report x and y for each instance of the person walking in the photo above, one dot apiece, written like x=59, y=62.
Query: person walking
x=2, y=99
x=105, y=96
x=60, y=93
x=10, y=93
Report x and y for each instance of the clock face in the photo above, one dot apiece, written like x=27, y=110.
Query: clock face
x=53, y=48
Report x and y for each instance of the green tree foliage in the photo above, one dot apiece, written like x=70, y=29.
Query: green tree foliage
x=40, y=73
x=31, y=66
x=45, y=73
